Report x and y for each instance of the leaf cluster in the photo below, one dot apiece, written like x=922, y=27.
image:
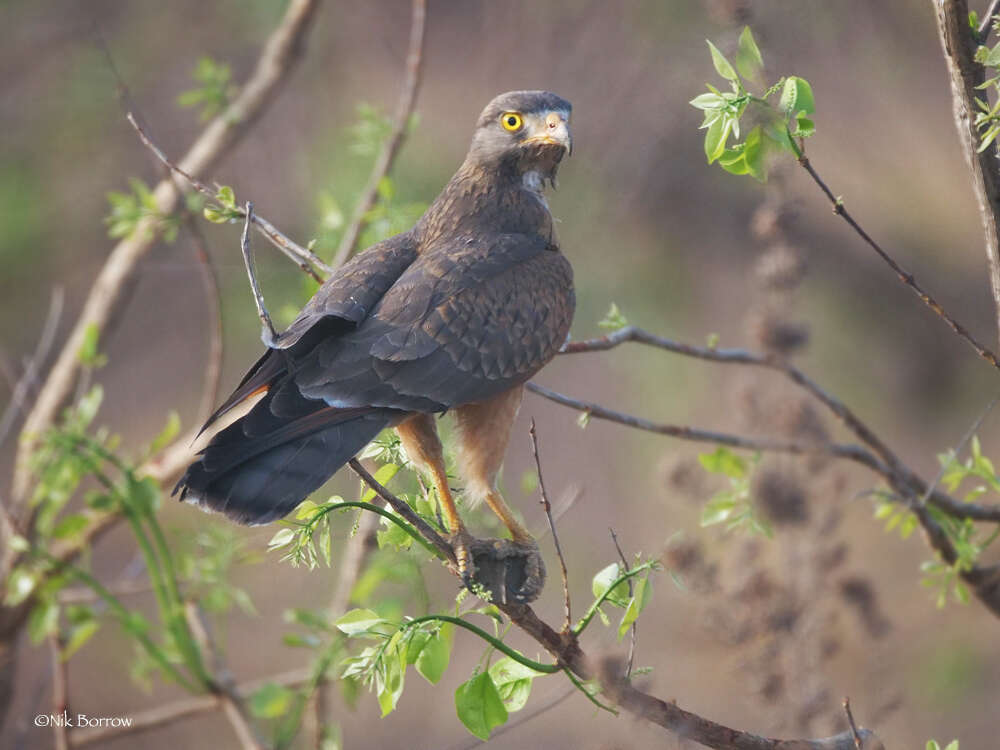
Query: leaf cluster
x=129, y=210
x=774, y=127
x=733, y=506
x=214, y=92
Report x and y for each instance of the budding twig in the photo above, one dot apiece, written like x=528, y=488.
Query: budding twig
x=547, y=507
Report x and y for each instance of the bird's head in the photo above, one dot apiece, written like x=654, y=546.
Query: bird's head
x=527, y=131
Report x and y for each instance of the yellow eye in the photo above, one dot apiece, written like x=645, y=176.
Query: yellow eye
x=511, y=121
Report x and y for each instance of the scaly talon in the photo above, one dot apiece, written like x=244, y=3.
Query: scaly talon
x=461, y=542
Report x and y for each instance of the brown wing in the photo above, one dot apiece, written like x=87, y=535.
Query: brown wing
x=344, y=301
x=464, y=322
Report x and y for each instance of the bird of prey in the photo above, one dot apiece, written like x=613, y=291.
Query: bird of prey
x=455, y=314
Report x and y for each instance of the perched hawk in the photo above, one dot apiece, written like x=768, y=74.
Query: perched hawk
x=453, y=315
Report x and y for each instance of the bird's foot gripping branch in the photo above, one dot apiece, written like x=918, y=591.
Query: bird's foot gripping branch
x=505, y=570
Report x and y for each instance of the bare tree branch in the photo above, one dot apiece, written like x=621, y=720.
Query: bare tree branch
x=300, y=256
x=959, y=47
x=401, y=120
x=19, y=395
x=218, y=138
x=905, y=276
x=854, y=727
x=987, y=19
x=596, y=411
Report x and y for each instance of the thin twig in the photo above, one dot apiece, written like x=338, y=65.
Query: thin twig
x=60, y=692
x=544, y=500
x=9, y=522
x=635, y=636
x=267, y=332
x=987, y=19
x=107, y=293
x=852, y=452
x=406, y=512
x=903, y=275
x=301, y=256
x=392, y=145
x=850, y=721
x=15, y=407
x=210, y=285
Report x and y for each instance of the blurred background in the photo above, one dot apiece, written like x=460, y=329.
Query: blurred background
x=765, y=635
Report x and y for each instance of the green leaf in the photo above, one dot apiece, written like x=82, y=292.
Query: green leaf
x=226, y=196
x=358, y=621
x=753, y=154
x=638, y=602
x=716, y=137
x=602, y=582
x=796, y=97
x=384, y=474
x=89, y=403
x=707, y=101
x=722, y=65
x=170, y=431
x=748, y=59
x=513, y=681
x=804, y=127
x=723, y=461
x=270, y=701
x=281, y=538
x=613, y=319
x=79, y=636
x=432, y=661
x=718, y=509
x=88, y=353
x=69, y=525
x=390, y=685
x=43, y=620
x=20, y=583
x=479, y=706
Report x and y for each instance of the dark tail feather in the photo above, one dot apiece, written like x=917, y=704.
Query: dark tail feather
x=258, y=478
x=264, y=372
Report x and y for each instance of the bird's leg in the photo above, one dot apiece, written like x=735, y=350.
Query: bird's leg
x=422, y=445
x=514, y=567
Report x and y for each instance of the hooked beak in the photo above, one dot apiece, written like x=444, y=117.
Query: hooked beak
x=556, y=132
